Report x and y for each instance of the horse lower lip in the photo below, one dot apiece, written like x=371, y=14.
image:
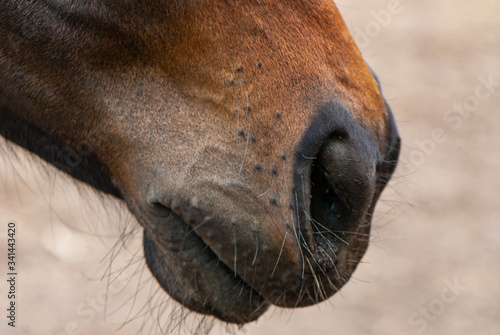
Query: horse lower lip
x=193, y=275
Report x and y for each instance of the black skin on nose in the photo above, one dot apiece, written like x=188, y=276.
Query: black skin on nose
x=340, y=170
x=342, y=187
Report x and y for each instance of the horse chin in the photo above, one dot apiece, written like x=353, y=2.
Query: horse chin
x=191, y=273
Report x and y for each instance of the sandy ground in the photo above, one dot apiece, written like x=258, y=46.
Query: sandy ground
x=433, y=266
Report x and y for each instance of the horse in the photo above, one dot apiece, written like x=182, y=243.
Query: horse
x=250, y=140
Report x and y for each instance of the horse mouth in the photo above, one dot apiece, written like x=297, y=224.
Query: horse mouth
x=191, y=272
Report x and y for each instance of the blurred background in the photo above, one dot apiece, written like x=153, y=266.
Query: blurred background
x=433, y=265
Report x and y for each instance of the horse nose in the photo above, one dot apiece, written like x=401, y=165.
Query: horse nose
x=343, y=182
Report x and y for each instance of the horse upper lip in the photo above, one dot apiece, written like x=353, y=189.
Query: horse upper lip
x=260, y=280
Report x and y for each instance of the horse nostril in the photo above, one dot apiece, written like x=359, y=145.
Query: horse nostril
x=342, y=187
